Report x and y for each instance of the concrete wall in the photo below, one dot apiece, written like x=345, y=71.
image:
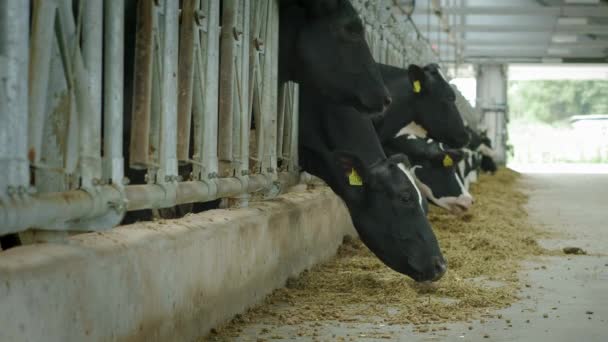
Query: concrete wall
x=165, y=281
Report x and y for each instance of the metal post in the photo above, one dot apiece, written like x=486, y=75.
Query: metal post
x=90, y=114
x=270, y=94
x=43, y=18
x=114, y=15
x=14, y=42
x=168, y=126
x=142, y=86
x=205, y=102
x=243, y=93
x=230, y=34
x=188, y=35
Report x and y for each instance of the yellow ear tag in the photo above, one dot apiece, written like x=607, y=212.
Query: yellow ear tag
x=354, y=178
x=447, y=161
x=417, y=87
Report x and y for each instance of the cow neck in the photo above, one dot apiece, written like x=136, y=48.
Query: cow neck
x=402, y=111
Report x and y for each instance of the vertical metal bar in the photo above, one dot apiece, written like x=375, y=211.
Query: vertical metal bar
x=43, y=17
x=90, y=114
x=168, y=126
x=244, y=84
x=294, y=160
x=114, y=32
x=229, y=34
x=188, y=35
x=269, y=96
x=142, y=86
x=206, y=103
x=14, y=42
x=284, y=125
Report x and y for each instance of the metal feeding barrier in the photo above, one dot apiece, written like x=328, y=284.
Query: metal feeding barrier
x=76, y=121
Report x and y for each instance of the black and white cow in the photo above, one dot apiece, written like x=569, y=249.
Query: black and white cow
x=433, y=164
x=478, y=149
x=339, y=145
x=423, y=96
x=487, y=155
x=424, y=107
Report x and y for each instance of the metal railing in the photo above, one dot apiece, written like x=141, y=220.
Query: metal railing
x=198, y=82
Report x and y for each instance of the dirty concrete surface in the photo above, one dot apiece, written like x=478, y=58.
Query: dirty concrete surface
x=564, y=298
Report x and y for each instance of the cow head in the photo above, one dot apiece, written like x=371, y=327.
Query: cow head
x=387, y=210
x=435, y=105
x=322, y=43
x=443, y=187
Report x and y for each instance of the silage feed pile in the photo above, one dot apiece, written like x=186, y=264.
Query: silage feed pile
x=483, y=249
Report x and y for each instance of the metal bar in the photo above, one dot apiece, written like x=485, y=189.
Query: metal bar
x=244, y=85
x=14, y=42
x=168, y=126
x=54, y=211
x=229, y=37
x=205, y=104
x=90, y=76
x=43, y=18
x=269, y=97
x=114, y=25
x=188, y=35
x=142, y=86
x=294, y=134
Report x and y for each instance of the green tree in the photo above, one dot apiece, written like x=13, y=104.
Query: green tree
x=552, y=101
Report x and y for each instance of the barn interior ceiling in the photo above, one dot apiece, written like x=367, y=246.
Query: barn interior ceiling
x=514, y=31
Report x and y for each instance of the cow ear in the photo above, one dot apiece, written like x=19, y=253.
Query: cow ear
x=417, y=78
x=351, y=168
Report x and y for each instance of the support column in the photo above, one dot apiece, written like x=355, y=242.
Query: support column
x=492, y=103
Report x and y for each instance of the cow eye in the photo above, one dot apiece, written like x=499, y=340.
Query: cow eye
x=404, y=197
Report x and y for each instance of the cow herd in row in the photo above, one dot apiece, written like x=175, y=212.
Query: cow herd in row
x=386, y=140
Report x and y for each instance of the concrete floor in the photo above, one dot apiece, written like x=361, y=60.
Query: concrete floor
x=566, y=298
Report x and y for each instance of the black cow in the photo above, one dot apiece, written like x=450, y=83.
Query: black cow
x=339, y=145
x=421, y=95
x=322, y=43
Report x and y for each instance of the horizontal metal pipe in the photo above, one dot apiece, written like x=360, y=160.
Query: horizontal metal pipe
x=55, y=211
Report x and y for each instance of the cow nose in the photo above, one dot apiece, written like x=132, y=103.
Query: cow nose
x=439, y=267
x=387, y=101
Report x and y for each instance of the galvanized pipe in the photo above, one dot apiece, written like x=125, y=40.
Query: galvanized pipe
x=43, y=18
x=229, y=36
x=168, y=124
x=90, y=76
x=207, y=87
x=189, y=34
x=54, y=211
x=142, y=86
x=14, y=42
x=269, y=96
x=293, y=136
x=114, y=25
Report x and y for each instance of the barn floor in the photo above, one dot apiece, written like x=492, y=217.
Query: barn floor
x=565, y=298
